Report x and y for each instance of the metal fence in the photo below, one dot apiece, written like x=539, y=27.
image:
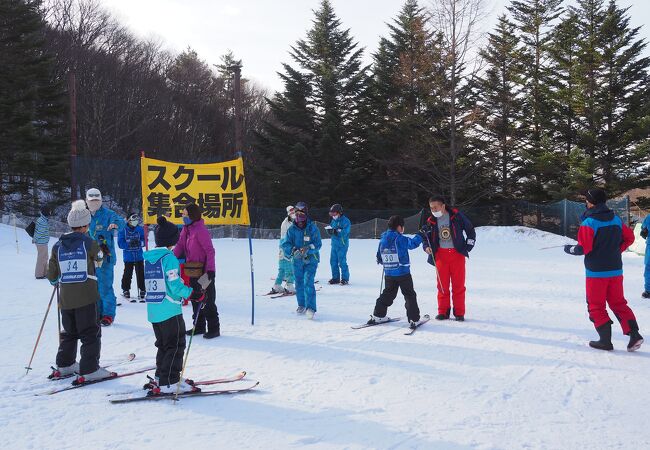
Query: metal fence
x=561, y=218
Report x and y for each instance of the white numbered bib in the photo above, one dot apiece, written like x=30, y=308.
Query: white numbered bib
x=154, y=282
x=73, y=264
x=390, y=258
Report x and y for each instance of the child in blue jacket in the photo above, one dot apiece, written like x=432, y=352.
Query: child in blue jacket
x=131, y=240
x=393, y=254
x=165, y=292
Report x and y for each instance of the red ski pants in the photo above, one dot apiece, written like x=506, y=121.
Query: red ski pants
x=451, y=270
x=608, y=291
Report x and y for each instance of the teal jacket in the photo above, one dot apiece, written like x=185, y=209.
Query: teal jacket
x=341, y=232
x=165, y=288
x=298, y=238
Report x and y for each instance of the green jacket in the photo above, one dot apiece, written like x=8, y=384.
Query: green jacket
x=78, y=283
x=165, y=288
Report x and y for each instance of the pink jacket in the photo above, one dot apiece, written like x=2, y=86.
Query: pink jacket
x=195, y=245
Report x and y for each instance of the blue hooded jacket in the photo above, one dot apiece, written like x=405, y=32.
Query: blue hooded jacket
x=342, y=226
x=99, y=231
x=393, y=252
x=297, y=238
x=131, y=240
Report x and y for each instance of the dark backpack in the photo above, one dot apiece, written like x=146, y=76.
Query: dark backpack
x=31, y=228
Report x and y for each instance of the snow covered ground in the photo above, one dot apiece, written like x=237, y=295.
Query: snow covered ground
x=517, y=374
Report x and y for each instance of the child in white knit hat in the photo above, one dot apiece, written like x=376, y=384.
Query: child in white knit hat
x=72, y=265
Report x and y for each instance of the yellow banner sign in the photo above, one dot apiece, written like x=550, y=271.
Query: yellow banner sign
x=219, y=189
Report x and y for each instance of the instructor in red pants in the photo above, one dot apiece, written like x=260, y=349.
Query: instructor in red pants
x=602, y=237
x=450, y=237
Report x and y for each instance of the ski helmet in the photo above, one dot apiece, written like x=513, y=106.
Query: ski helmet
x=134, y=219
x=93, y=194
x=336, y=209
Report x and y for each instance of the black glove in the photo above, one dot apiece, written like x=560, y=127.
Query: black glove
x=431, y=261
x=211, y=275
x=575, y=250
x=470, y=245
x=644, y=233
x=379, y=261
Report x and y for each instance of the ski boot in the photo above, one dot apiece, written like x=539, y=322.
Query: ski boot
x=64, y=372
x=141, y=296
x=151, y=384
x=444, y=316
x=645, y=294
x=310, y=313
x=276, y=289
x=180, y=387
x=344, y=282
x=334, y=281
x=375, y=320
x=98, y=374
x=300, y=310
x=290, y=289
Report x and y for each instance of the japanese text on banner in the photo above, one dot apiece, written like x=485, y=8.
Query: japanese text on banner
x=219, y=189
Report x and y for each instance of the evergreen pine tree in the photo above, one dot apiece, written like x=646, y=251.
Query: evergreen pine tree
x=501, y=104
x=33, y=157
x=316, y=128
x=534, y=19
x=406, y=72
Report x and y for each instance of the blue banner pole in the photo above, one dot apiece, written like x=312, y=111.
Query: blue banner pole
x=250, y=248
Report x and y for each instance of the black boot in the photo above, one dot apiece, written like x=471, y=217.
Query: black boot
x=444, y=316
x=334, y=281
x=635, y=338
x=645, y=294
x=605, y=342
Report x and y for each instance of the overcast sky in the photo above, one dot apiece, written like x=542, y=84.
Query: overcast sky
x=260, y=32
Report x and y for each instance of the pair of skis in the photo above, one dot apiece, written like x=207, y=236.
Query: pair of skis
x=422, y=321
x=202, y=393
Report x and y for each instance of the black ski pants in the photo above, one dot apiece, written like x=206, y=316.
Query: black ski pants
x=128, y=276
x=405, y=284
x=80, y=324
x=208, y=315
x=170, y=342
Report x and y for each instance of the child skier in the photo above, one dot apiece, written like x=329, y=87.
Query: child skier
x=339, y=230
x=303, y=243
x=393, y=254
x=602, y=237
x=131, y=240
x=165, y=291
x=285, y=265
x=72, y=264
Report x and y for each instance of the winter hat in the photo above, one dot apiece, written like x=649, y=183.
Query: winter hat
x=93, y=194
x=79, y=215
x=166, y=233
x=290, y=208
x=302, y=206
x=45, y=211
x=595, y=196
x=336, y=209
x=193, y=211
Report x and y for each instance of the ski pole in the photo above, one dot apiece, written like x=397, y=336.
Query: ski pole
x=204, y=281
x=189, y=345
x=58, y=310
x=553, y=246
x=442, y=289
x=38, y=338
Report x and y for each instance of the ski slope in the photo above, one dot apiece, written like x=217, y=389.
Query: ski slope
x=517, y=374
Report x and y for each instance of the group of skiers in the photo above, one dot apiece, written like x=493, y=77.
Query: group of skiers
x=82, y=263
x=81, y=266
